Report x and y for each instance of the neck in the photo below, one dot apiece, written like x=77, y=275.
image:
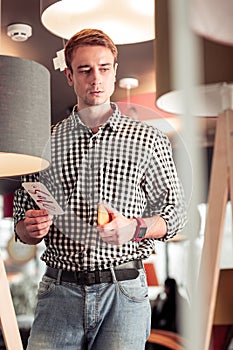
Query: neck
x=95, y=116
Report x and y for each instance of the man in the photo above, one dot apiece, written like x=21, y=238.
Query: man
x=94, y=292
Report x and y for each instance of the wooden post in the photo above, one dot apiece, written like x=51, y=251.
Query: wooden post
x=220, y=183
x=8, y=320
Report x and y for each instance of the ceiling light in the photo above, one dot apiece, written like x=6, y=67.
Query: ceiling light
x=128, y=84
x=25, y=116
x=125, y=21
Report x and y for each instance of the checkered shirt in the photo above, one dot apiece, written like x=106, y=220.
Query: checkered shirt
x=128, y=165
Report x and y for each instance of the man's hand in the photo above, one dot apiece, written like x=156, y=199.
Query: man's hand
x=119, y=230
x=34, y=227
x=37, y=223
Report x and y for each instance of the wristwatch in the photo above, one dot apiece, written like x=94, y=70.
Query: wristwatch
x=140, y=230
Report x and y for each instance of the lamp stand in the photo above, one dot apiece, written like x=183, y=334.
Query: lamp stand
x=221, y=187
x=8, y=320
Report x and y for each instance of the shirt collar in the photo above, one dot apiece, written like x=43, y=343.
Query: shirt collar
x=114, y=121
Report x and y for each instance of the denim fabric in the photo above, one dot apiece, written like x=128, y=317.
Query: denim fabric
x=106, y=316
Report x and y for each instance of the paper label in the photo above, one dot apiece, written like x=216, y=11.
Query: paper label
x=43, y=198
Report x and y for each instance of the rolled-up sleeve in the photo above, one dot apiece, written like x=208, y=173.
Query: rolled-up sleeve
x=164, y=191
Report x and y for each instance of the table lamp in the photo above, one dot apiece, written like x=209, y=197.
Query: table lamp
x=24, y=116
x=24, y=148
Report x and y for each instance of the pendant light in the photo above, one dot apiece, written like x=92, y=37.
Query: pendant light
x=125, y=21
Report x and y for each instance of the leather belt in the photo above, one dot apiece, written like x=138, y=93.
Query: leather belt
x=125, y=271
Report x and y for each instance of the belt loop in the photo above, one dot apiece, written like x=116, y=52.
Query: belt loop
x=58, y=280
x=113, y=274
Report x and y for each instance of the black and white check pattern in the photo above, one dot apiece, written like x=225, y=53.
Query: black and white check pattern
x=127, y=165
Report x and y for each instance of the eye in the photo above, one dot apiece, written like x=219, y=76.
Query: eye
x=85, y=71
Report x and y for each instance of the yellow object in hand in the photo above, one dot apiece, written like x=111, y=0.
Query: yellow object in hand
x=103, y=215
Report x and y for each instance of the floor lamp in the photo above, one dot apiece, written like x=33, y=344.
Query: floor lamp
x=220, y=190
x=207, y=17
x=217, y=97
x=24, y=148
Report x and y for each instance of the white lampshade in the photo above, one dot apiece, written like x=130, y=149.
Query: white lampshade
x=210, y=98
x=25, y=117
x=217, y=70
x=212, y=19
x=125, y=21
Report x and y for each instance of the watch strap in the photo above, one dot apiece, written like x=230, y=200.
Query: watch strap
x=140, y=231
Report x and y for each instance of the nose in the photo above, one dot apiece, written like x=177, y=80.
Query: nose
x=96, y=78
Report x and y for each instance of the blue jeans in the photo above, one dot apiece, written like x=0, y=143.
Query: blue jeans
x=106, y=316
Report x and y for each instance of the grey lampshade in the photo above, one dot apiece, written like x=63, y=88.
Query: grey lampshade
x=217, y=70
x=25, y=116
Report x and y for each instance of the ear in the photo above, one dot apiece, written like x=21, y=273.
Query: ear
x=69, y=76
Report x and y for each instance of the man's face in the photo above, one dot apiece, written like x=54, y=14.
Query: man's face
x=93, y=75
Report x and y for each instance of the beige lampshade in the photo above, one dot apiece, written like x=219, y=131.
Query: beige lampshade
x=25, y=117
x=217, y=70
x=125, y=21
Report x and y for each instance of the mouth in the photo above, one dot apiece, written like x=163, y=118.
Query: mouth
x=96, y=92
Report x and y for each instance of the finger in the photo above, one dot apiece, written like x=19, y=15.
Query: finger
x=106, y=234
x=36, y=213
x=110, y=209
x=39, y=234
x=37, y=223
x=38, y=220
x=108, y=228
x=37, y=230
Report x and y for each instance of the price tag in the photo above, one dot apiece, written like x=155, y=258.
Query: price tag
x=43, y=198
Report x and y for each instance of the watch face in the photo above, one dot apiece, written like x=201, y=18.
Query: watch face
x=142, y=232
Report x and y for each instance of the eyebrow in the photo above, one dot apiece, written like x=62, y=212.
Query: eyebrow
x=87, y=65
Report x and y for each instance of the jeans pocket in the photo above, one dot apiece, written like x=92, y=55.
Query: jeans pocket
x=136, y=289
x=46, y=286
